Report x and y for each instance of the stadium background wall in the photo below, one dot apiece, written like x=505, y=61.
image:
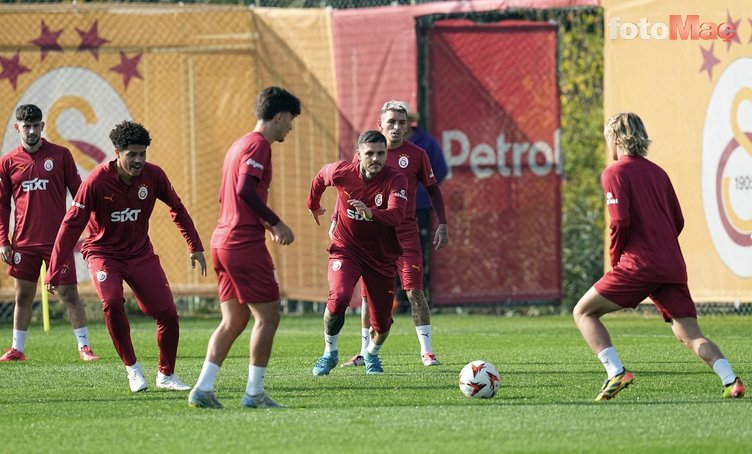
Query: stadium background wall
x=190, y=73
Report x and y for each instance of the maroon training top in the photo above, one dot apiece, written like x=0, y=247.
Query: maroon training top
x=646, y=220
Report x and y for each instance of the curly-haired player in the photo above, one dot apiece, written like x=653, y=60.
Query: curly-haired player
x=115, y=203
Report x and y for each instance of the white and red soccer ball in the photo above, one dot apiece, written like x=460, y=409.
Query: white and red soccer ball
x=479, y=379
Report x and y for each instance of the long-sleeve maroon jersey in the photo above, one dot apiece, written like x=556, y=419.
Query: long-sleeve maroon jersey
x=646, y=220
x=37, y=183
x=375, y=240
x=238, y=224
x=116, y=216
x=413, y=162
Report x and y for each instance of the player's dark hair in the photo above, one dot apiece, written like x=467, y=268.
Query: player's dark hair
x=129, y=133
x=273, y=100
x=371, y=136
x=28, y=113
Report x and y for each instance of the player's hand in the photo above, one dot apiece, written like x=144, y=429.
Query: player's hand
x=332, y=226
x=441, y=238
x=317, y=213
x=198, y=257
x=51, y=288
x=6, y=252
x=282, y=234
x=361, y=208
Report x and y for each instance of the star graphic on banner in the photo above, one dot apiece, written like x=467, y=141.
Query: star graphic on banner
x=12, y=68
x=90, y=40
x=736, y=24
x=128, y=67
x=708, y=60
x=47, y=41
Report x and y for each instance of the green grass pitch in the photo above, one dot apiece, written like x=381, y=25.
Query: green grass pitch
x=55, y=403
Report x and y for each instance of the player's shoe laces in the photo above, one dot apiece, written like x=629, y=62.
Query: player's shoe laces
x=373, y=364
x=429, y=359
x=87, y=354
x=203, y=399
x=355, y=361
x=612, y=386
x=259, y=401
x=171, y=382
x=326, y=363
x=734, y=390
x=136, y=378
x=12, y=354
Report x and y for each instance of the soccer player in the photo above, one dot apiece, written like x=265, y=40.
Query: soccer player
x=646, y=259
x=114, y=204
x=414, y=163
x=364, y=243
x=36, y=175
x=245, y=272
x=422, y=139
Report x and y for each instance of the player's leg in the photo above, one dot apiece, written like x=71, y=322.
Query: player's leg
x=675, y=303
x=25, y=292
x=24, y=269
x=68, y=291
x=410, y=266
x=365, y=337
x=587, y=316
x=343, y=275
x=266, y=320
x=149, y=283
x=107, y=280
x=380, y=293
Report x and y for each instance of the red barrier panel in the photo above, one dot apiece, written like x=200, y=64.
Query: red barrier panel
x=494, y=107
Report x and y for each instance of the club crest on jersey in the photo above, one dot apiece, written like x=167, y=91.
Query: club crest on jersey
x=17, y=258
x=64, y=270
x=379, y=198
x=336, y=265
x=101, y=276
x=48, y=164
x=143, y=192
x=403, y=161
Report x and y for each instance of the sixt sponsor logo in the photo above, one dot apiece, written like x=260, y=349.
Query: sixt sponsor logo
x=126, y=215
x=37, y=184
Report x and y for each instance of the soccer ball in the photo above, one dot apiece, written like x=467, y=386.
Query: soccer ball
x=479, y=379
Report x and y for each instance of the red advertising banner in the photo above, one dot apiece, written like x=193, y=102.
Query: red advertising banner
x=494, y=107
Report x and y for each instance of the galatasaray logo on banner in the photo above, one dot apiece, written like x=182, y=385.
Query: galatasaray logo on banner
x=727, y=166
x=79, y=89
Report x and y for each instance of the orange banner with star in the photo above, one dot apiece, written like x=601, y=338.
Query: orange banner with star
x=190, y=75
x=685, y=66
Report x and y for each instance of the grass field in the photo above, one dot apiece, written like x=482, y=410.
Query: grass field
x=55, y=403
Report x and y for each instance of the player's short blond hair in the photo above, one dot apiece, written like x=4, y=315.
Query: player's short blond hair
x=630, y=133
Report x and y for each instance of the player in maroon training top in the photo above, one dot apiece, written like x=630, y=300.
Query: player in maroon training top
x=373, y=197
x=413, y=162
x=245, y=272
x=114, y=204
x=37, y=175
x=646, y=260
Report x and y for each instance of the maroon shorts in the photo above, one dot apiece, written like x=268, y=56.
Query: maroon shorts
x=246, y=274
x=144, y=275
x=672, y=300
x=26, y=263
x=343, y=275
x=410, y=265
